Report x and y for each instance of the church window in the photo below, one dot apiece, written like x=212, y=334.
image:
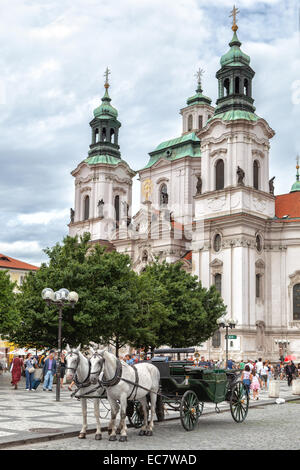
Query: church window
x=96, y=139
x=255, y=174
x=145, y=256
x=112, y=133
x=163, y=195
x=117, y=210
x=246, y=87
x=220, y=174
x=218, y=282
x=257, y=286
x=217, y=243
x=258, y=243
x=200, y=122
x=216, y=339
x=226, y=86
x=237, y=85
x=104, y=134
x=86, y=208
x=296, y=302
x=190, y=122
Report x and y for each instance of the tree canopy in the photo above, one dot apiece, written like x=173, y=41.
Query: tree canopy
x=162, y=305
x=8, y=313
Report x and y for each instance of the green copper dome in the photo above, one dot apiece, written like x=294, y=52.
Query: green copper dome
x=106, y=110
x=295, y=187
x=235, y=57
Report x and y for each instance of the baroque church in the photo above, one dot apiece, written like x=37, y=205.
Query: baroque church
x=206, y=199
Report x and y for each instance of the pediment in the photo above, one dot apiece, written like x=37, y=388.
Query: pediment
x=260, y=264
x=216, y=263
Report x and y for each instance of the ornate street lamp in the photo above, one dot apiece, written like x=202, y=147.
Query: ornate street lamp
x=59, y=298
x=224, y=323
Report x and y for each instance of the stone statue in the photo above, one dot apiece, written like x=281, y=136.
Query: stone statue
x=164, y=196
x=271, y=185
x=100, y=206
x=72, y=215
x=260, y=335
x=241, y=175
x=199, y=185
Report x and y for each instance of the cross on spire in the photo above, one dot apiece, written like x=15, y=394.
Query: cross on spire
x=199, y=75
x=106, y=74
x=234, y=13
x=297, y=166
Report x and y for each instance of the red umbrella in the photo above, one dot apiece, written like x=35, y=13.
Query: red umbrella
x=290, y=358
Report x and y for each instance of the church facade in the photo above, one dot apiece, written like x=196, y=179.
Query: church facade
x=207, y=200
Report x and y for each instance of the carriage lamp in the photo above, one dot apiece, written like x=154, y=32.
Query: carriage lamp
x=224, y=323
x=59, y=298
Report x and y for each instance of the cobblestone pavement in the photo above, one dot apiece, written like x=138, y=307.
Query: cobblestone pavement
x=269, y=428
x=21, y=411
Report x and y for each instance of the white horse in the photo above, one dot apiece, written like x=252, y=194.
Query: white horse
x=79, y=364
x=119, y=378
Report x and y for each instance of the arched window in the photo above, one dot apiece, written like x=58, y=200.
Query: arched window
x=226, y=86
x=200, y=122
x=117, y=210
x=217, y=243
x=296, y=302
x=96, y=136
x=218, y=282
x=163, y=197
x=216, y=339
x=112, y=133
x=220, y=174
x=257, y=285
x=246, y=87
x=258, y=243
x=255, y=174
x=190, y=122
x=86, y=214
x=237, y=85
x=104, y=134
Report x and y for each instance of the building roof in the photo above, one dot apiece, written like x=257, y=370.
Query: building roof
x=7, y=262
x=288, y=205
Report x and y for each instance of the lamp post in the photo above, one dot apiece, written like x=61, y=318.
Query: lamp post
x=59, y=299
x=222, y=322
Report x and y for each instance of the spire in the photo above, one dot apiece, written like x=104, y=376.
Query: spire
x=199, y=98
x=235, y=77
x=296, y=185
x=105, y=109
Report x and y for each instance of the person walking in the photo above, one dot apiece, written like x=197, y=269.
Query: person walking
x=49, y=372
x=16, y=371
x=29, y=364
x=246, y=378
x=255, y=384
x=264, y=372
x=62, y=369
x=290, y=369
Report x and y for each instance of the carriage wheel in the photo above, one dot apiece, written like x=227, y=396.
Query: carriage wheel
x=239, y=402
x=136, y=415
x=190, y=410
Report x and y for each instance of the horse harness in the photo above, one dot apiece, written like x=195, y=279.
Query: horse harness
x=118, y=377
x=86, y=382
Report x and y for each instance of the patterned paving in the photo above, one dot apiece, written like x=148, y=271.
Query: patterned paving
x=21, y=410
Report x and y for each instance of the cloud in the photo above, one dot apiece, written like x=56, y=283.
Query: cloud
x=53, y=56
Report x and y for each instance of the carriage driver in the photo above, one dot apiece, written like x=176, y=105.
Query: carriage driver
x=196, y=359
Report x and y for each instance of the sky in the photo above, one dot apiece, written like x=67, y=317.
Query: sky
x=53, y=56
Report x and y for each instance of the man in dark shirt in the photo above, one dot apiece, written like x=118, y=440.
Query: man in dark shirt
x=49, y=370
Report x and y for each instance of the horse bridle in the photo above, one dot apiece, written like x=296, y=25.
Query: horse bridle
x=85, y=381
x=101, y=362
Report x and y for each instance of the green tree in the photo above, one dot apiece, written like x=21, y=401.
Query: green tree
x=107, y=305
x=192, y=309
x=8, y=312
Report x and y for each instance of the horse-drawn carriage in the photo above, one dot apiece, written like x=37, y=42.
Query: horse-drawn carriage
x=157, y=384
x=185, y=388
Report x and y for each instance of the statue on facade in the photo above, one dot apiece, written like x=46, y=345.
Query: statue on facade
x=72, y=215
x=164, y=198
x=271, y=185
x=199, y=185
x=260, y=335
x=100, y=206
x=241, y=175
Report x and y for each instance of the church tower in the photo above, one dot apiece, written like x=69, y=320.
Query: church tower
x=103, y=181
